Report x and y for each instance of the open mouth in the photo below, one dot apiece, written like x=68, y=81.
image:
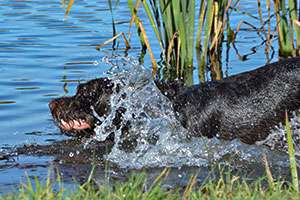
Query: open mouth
x=70, y=121
x=76, y=125
x=75, y=115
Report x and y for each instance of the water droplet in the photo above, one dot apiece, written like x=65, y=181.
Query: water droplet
x=96, y=62
x=71, y=154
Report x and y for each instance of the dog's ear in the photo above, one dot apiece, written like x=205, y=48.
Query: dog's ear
x=169, y=88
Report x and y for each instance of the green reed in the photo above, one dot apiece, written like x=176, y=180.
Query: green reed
x=174, y=24
x=293, y=163
x=212, y=26
x=183, y=32
x=291, y=151
x=111, y=8
x=288, y=27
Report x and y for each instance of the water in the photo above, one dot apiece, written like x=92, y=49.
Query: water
x=44, y=55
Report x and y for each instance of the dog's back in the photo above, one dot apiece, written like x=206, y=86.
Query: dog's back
x=245, y=106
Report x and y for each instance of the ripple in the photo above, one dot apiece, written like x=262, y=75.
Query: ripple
x=7, y=102
x=27, y=88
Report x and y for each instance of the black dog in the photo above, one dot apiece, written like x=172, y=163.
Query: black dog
x=245, y=106
x=75, y=115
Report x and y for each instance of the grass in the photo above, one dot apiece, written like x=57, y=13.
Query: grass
x=137, y=187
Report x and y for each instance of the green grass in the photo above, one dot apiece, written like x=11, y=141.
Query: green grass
x=136, y=187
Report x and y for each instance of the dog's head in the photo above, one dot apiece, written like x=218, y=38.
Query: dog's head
x=76, y=115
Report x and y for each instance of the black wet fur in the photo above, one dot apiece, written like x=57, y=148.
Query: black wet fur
x=91, y=97
x=245, y=106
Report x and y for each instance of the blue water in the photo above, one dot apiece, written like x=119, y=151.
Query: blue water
x=44, y=55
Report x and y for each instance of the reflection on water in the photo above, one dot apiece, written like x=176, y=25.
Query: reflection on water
x=43, y=55
x=7, y=102
x=27, y=88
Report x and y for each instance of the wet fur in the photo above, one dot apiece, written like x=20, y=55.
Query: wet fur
x=90, y=97
x=244, y=106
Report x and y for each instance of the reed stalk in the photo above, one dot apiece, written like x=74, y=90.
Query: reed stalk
x=270, y=179
x=291, y=151
x=70, y=4
x=169, y=19
x=287, y=27
x=174, y=24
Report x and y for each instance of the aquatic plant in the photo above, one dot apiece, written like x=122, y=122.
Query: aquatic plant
x=174, y=25
x=291, y=151
x=288, y=27
x=70, y=4
x=182, y=32
x=292, y=159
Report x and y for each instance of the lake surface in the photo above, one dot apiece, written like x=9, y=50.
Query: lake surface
x=44, y=55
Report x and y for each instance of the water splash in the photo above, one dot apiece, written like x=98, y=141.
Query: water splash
x=277, y=137
x=154, y=137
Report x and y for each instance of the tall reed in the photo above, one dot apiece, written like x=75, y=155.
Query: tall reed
x=212, y=22
x=174, y=24
x=288, y=27
x=291, y=151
